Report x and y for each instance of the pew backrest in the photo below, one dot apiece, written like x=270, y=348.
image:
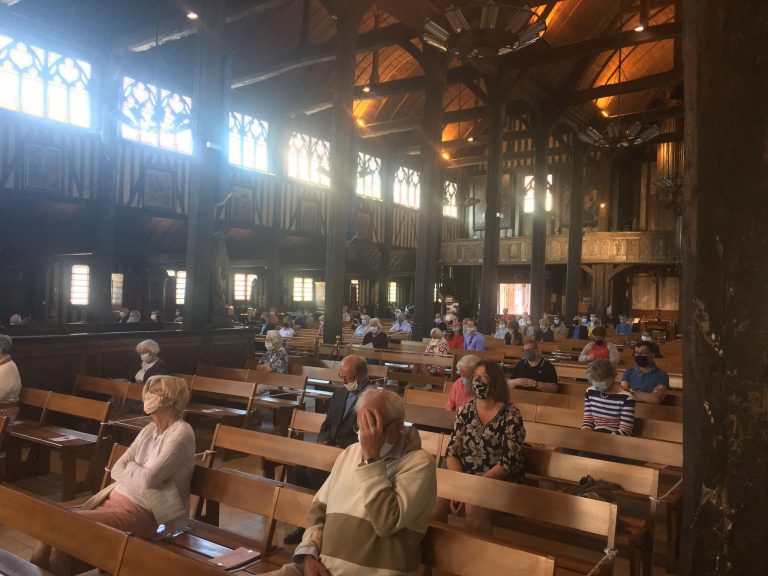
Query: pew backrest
x=143, y=558
x=303, y=421
x=222, y=372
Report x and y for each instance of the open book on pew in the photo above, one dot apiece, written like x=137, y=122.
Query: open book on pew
x=235, y=559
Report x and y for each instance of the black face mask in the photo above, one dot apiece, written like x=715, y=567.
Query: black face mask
x=642, y=361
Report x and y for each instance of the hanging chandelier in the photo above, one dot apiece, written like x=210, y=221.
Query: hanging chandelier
x=488, y=31
x=617, y=135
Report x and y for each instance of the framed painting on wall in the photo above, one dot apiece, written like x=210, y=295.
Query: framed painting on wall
x=159, y=184
x=43, y=168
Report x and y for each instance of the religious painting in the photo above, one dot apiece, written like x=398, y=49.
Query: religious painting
x=159, y=183
x=44, y=170
x=309, y=217
x=365, y=226
x=242, y=204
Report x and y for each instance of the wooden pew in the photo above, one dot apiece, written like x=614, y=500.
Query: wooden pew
x=303, y=422
x=105, y=388
x=62, y=529
x=453, y=551
x=429, y=418
x=272, y=448
x=638, y=483
x=564, y=512
x=143, y=558
x=223, y=373
x=629, y=447
x=288, y=396
x=228, y=390
x=70, y=444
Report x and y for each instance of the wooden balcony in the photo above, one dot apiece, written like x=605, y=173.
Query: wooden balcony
x=597, y=248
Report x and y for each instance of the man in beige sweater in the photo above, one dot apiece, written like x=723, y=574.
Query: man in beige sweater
x=372, y=513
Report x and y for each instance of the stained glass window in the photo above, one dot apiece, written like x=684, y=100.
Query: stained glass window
x=309, y=159
x=248, y=142
x=44, y=83
x=407, y=187
x=368, y=176
x=528, y=200
x=450, y=208
x=156, y=116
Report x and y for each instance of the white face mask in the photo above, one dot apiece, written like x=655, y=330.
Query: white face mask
x=154, y=316
x=133, y=319
x=351, y=385
x=152, y=402
x=146, y=357
x=645, y=338
x=269, y=345
x=374, y=329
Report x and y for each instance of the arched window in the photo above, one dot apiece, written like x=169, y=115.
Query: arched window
x=248, y=142
x=407, y=187
x=309, y=159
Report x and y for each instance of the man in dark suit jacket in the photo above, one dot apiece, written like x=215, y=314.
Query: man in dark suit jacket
x=338, y=426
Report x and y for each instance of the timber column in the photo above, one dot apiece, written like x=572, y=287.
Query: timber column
x=103, y=254
x=430, y=209
x=209, y=162
x=388, y=167
x=489, y=280
x=347, y=14
x=575, y=232
x=725, y=271
x=539, y=229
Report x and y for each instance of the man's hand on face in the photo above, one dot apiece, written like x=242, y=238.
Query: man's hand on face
x=313, y=567
x=372, y=434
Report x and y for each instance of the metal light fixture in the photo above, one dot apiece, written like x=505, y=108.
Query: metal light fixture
x=486, y=31
x=615, y=135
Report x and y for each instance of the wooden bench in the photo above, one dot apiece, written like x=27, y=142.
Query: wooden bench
x=638, y=483
x=143, y=558
x=222, y=372
x=303, y=422
x=62, y=529
x=453, y=551
x=236, y=391
x=70, y=444
x=534, y=506
x=105, y=388
x=288, y=395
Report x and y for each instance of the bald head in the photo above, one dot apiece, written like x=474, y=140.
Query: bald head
x=389, y=404
x=353, y=366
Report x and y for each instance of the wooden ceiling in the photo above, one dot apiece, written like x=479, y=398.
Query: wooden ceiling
x=283, y=57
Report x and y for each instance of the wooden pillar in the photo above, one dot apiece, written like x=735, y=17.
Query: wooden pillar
x=430, y=209
x=489, y=283
x=104, y=209
x=343, y=162
x=209, y=163
x=539, y=231
x=725, y=271
x=388, y=167
x=273, y=280
x=575, y=232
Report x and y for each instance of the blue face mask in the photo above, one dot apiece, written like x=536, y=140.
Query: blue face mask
x=600, y=386
x=467, y=382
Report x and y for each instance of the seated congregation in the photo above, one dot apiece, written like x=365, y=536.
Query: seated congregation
x=379, y=463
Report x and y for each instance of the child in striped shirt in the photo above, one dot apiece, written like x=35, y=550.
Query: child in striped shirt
x=607, y=406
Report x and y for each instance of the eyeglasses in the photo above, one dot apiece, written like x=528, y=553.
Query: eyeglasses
x=356, y=428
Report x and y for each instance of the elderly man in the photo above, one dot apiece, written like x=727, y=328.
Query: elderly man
x=402, y=325
x=461, y=391
x=337, y=428
x=646, y=381
x=533, y=372
x=473, y=340
x=372, y=513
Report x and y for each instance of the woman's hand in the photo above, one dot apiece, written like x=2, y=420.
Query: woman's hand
x=313, y=567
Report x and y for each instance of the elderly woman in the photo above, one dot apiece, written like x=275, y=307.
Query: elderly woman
x=151, y=364
x=287, y=330
x=487, y=440
x=158, y=464
x=10, y=381
x=363, y=328
x=375, y=335
x=461, y=391
x=275, y=358
x=437, y=346
x=607, y=406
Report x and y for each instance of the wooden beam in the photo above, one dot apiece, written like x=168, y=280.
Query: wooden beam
x=636, y=85
x=408, y=124
x=325, y=52
x=149, y=39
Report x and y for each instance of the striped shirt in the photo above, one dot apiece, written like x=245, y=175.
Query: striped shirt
x=613, y=413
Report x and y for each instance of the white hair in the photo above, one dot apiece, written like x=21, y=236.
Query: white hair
x=469, y=362
x=374, y=322
x=435, y=333
x=393, y=404
x=172, y=389
x=5, y=344
x=150, y=345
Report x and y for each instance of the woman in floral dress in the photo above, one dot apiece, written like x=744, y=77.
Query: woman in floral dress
x=487, y=440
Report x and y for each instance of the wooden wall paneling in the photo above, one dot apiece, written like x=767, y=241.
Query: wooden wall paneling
x=152, y=178
x=405, y=227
